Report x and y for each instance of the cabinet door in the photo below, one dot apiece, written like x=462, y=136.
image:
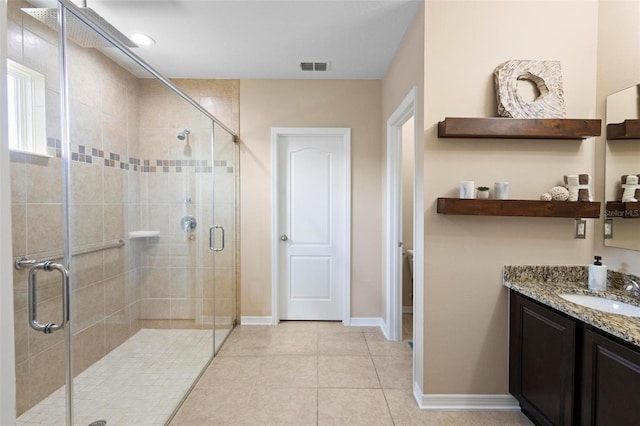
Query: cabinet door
x=542, y=361
x=610, y=382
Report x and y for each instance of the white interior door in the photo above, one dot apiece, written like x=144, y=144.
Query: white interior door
x=312, y=226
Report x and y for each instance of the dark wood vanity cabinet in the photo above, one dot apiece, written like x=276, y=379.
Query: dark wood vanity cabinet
x=610, y=382
x=564, y=372
x=542, y=367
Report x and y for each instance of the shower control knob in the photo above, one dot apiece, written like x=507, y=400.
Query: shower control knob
x=284, y=237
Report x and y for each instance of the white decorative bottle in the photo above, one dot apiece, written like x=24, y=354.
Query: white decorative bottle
x=597, y=275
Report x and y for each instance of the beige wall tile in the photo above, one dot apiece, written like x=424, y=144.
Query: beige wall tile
x=115, y=294
x=87, y=185
x=19, y=229
x=43, y=378
x=18, y=178
x=88, y=347
x=88, y=306
x=44, y=225
x=87, y=224
x=117, y=329
x=44, y=180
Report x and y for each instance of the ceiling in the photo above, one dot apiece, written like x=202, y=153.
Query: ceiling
x=263, y=38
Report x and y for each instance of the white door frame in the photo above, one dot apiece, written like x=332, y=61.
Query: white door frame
x=276, y=197
x=403, y=112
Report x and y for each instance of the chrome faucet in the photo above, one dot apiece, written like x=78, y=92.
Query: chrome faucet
x=632, y=289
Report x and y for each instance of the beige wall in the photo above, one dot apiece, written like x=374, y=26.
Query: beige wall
x=465, y=304
x=300, y=103
x=405, y=72
x=618, y=68
x=408, y=160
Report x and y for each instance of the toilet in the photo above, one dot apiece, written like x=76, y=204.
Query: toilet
x=410, y=258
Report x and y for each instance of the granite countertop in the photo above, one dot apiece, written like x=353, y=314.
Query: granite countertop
x=546, y=283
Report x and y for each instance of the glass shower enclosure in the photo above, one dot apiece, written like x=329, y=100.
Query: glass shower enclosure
x=124, y=232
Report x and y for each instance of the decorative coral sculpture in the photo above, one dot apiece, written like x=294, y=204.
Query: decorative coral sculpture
x=559, y=193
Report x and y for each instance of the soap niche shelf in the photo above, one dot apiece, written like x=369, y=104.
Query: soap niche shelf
x=519, y=128
x=527, y=208
x=618, y=209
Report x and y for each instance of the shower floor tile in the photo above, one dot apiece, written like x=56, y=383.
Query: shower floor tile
x=140, y=382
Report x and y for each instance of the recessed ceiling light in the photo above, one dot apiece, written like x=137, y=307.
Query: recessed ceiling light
x=142, y=39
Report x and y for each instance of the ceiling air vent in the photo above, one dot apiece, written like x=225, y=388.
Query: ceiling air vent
x=306, y=66
x=314, y=66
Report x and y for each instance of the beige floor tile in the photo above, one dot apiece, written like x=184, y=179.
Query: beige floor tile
x=347, y=371
x=405, y=411
x=232, y=372
x=247, y=342
x=269, y=406
x=289, y=371
x=340, y=343
x=352, y=407
x=379, y=346
x=294, y=340
x=338, y=327
x=395, y=372
x=482, y=418
x=214, y=406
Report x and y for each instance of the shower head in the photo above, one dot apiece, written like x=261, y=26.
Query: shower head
x=77, y=30
x=182, y=135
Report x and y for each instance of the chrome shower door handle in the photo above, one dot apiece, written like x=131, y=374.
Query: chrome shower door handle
x=47, y=328
x=211, y=246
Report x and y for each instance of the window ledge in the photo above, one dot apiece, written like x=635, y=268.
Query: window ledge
x=35, y=154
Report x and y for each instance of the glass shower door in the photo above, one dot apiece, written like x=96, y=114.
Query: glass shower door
x=225, y=178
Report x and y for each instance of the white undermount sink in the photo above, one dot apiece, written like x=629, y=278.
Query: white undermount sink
x=602, y=304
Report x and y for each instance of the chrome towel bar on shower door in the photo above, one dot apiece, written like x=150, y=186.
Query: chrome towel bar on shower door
x=21, y=262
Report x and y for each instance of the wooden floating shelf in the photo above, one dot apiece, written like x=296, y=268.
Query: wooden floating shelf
x=622, y=210
x=628, y=129
x=519, y=128
x=529, y=208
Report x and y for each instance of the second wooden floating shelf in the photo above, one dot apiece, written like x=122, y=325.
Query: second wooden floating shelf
x=529, y=208
x=519, y=128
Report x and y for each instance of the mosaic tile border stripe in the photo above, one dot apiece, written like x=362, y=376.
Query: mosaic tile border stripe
x=131, y=163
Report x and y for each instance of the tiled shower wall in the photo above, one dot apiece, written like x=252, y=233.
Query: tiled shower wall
x=117, y=122
x=178, y=265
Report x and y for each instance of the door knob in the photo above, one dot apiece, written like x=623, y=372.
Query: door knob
x=283, y=237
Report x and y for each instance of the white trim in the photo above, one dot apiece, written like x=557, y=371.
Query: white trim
x=276, y=134
x=403, y=112
x=250, y=320
x=467, y=402
x=368, y=322
x=7, y=343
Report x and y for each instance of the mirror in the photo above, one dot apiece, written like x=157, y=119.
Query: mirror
x=622, y=158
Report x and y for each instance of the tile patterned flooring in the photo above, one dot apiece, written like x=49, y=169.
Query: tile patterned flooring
x=316, y=373
x=141, y=382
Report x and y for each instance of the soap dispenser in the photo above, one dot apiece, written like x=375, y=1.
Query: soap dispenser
x=597, y=275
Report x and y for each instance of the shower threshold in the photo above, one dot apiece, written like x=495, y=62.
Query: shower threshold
x=140, y=382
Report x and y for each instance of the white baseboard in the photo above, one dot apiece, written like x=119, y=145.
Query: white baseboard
x=366, y=322
x=247, y=320
x=465, y=402
x=407, y=309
